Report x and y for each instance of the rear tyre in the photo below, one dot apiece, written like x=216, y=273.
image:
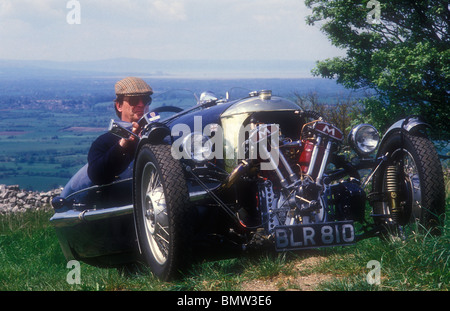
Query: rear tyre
x=412, y=184
x=162, y=211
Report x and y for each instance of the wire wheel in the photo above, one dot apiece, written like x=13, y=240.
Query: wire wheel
x=162, y=211
x=414, y=175
x=156, y=219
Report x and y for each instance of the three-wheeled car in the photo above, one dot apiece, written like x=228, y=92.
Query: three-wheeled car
x=250, y=173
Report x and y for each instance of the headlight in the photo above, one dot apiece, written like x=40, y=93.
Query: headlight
x=364, y=139
x=197, y=147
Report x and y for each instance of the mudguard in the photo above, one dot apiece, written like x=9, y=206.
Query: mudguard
x=155, y=134
x=410, y=124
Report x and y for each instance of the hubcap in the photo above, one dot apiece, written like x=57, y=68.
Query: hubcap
x=154, y=209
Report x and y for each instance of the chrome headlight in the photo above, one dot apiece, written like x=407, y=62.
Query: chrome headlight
x=197, y=147
x=364, y=139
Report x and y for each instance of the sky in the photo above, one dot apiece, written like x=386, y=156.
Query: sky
x=85, y=30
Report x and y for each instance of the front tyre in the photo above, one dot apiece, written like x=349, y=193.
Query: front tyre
x=162, y=212
x=411, y=182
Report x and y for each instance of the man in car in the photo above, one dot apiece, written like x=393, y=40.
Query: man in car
x=110, y=155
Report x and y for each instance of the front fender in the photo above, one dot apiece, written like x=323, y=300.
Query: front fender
x=155, y=134
x=411, y=124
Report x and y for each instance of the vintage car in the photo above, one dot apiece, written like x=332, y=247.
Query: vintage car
x=235, y=175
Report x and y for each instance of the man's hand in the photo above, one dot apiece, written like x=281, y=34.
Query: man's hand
x=135, y=129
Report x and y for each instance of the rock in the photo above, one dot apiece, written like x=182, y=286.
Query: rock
x=21, y=195
x=13, y=188
x=16, y=200
x=47, y=194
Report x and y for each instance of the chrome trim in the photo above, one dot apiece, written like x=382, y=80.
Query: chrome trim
x=292, y=176
x=97, y=187
x=352, y=139
x=198, y=195
x=260, y=103
x=274, y=165
x=407, y=124
x=312, y=162
x=72, y=217
x=324, y=163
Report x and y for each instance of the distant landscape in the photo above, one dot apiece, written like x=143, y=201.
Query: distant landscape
x=51, y=112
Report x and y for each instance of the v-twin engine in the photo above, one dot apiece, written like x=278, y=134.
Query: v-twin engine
x=301, y=196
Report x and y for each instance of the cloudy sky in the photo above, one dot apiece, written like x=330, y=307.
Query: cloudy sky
x=160, y=29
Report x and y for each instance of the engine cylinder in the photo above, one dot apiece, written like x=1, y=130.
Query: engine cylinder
x=305, y=156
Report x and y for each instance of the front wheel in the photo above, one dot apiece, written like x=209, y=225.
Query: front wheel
x=411, y=183
x=162, y=211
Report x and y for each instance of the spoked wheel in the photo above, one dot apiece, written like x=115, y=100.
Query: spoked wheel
x=162, y=211
x=412, y=184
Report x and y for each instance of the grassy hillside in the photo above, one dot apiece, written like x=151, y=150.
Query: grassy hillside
x=31, y=259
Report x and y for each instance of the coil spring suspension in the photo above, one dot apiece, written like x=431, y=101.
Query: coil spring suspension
x=393, y=191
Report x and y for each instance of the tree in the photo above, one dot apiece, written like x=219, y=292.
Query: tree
x=342, y=112
x=399, y=49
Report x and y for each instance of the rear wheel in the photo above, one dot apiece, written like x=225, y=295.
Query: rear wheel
x=162, y=211
x=412, y=184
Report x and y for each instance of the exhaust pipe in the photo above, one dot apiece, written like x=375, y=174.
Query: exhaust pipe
x=237, y=173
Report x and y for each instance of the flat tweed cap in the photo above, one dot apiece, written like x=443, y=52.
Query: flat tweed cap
x=132, y=86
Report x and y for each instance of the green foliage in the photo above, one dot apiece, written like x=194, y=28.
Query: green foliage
x=419, y=263
x=343, y=111
x=405, y=57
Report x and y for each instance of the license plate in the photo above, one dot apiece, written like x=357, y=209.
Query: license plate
x=314, y=235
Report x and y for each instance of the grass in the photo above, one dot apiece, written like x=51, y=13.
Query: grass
x=31, y=260
x=420, y=263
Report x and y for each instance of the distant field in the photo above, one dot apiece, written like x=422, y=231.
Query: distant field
x=13, y=133
x=41, y=149
x=35, y=183
x=85, y=129
x=48, y=125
